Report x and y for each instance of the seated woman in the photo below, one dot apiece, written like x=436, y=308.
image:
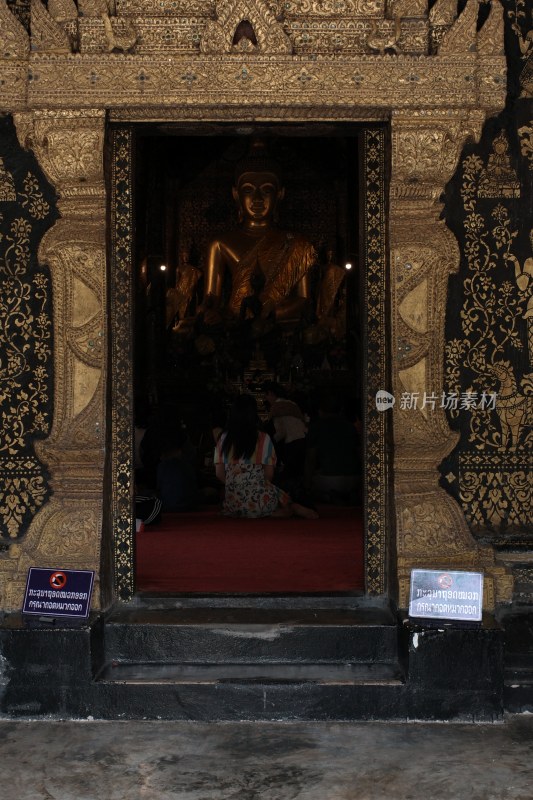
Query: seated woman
x=244, y=463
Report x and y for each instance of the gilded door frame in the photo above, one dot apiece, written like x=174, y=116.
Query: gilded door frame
x=376, y=349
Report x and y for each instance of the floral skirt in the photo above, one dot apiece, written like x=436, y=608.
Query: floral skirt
x=248, y=493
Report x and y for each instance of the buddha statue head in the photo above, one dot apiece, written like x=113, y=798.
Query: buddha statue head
x=257, y=187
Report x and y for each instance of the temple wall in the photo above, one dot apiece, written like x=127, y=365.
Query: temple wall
x=436, y=86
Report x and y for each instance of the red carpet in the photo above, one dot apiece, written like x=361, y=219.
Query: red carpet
x=206, y=552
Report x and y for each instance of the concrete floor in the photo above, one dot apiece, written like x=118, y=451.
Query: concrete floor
x=266, y=761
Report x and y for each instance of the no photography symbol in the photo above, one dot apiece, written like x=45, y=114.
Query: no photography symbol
x=58, y=580
x=445, y=581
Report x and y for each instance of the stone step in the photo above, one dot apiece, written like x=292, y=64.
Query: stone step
x=251, y=635
x=337, y=674
x=518, y=661
x=223, y=692
x=518, y=690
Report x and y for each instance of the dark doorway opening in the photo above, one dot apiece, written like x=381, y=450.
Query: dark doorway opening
x=187, y=373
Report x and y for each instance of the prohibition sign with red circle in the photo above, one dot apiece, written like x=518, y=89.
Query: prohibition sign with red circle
x=58, y=580
x=445, y=581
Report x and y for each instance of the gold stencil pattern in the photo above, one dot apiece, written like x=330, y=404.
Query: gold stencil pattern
x=121, y=362
x=376, y=464
x=522, y=27
x=25, y=343
x=525, y=134
x=493, y=357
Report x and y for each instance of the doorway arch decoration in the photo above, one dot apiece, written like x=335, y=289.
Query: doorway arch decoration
x=372, y=181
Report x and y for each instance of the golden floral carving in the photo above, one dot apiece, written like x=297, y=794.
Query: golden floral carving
x=523, y=29
x=443, y=13
x=7, y=185
x=62, y=10
x=525, y=134
x=491, y=311
x=462, y=35
x=431, y=527
x=425, y=527
x=490, y=37
x=32, y=198
x=23, y=491
x=377, y=82
x=25, y=343
x=426, y=150
x=46, y=34
x=496, y=491
x=269, y=34
x=69, y=531
x=14, y=41
x=333, y=8
x=69, y=525
x=495, y=468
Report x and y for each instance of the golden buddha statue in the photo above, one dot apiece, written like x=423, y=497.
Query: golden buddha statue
x=333, y=280
x=330, y=304
x=268, y=267
x=179, y=299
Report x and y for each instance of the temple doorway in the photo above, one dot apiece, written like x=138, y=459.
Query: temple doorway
x=190, y=358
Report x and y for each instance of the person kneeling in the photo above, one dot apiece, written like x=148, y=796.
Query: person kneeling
x=244, y=462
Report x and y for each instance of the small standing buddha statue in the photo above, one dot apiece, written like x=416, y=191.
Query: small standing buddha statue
x=180, y=298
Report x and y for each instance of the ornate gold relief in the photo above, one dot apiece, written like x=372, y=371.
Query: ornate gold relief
x=25, y=342
x=431, y=528
x=69, y=146
x=244, y=26
x=67, y=534
x=425, y=151
x=7, y=185
x=295, y=50
x=121, y=291
x=461, y=37
x=46, y=34
x=497, y=489
x=14, y=52
x=492, y=356
x=490, y=37
x=441, y=18
x=377, y=472
x=525, y=134
x=523, y=29
x=499, y=179
x=14, y=41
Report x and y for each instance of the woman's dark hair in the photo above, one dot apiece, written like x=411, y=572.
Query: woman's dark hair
x=242, y=427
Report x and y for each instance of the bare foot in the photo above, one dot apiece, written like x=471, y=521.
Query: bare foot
x=303, y=511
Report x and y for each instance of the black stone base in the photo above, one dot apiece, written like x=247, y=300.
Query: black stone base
x=518, y=660
x=324, y=665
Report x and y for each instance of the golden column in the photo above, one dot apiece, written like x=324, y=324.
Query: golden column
x=67, y=531
x=431, y=529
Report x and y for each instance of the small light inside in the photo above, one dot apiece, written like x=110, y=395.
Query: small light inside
x=348, y=265
x=163, y=267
